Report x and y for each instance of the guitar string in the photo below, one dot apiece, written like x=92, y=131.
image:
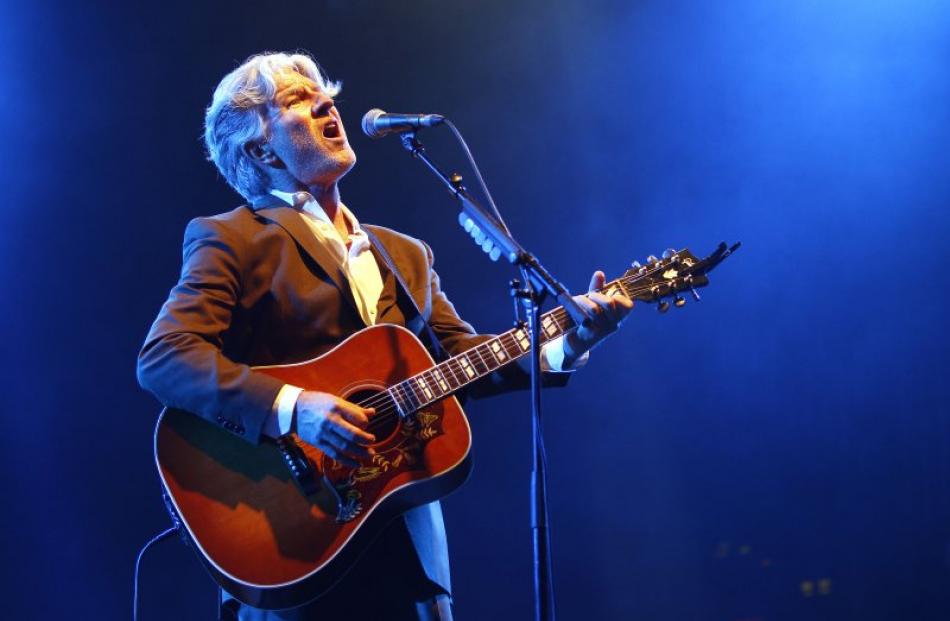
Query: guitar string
x=385, y=414
x=408, y=392
x=455, y=366
x=457, y=370
x=387, y=408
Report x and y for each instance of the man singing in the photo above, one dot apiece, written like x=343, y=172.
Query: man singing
x=287, y=277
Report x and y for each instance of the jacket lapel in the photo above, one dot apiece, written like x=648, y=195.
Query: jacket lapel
x=397, y=266
x=289, y=219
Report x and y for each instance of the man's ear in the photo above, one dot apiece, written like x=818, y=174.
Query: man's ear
x=261, y=153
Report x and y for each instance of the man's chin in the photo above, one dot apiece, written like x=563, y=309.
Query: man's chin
x=347, y=160
x=334, y=170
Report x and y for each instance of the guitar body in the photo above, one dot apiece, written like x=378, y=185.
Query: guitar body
x=261, y=536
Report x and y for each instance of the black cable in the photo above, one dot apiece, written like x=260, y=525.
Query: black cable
x=478, y=175
x=138, y=561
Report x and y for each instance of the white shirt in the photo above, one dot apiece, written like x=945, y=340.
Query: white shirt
x=353, y=254
x=366, y=282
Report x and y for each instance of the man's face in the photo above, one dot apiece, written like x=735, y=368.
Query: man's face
x=306, y=132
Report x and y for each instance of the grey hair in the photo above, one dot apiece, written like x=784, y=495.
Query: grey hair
x=238, y=115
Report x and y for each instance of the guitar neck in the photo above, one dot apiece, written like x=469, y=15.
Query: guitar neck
x=450, y=376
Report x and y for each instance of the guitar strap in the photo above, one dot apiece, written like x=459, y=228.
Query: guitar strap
x=439, y=353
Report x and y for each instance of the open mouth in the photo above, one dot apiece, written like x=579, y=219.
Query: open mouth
x=331, y=130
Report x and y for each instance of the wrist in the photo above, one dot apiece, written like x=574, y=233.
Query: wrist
x=573, y=347
x=287, y=408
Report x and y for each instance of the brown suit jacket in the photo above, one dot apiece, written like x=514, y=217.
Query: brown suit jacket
x=257, y=288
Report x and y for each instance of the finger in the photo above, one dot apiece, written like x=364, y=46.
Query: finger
x=353, y=413
x=613, y=310
x=604, y=305
x=349, y=431
x=351, y=448
x=599, y=299
x=612, y=304
x=623, y=301
x=346, y=446
x=587, y=304
x=597, y=281
x=336, y=454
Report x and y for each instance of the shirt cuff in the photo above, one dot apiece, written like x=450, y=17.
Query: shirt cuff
x=552, y=357
x=283, y=410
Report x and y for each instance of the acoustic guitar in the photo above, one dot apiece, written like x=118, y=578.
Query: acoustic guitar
x=278, y=523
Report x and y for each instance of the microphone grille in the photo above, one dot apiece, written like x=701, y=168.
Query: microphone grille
x=369, y=123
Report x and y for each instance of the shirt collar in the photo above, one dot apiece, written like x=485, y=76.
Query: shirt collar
x=305, y=202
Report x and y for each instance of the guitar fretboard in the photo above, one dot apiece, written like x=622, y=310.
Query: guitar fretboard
x=450, y=376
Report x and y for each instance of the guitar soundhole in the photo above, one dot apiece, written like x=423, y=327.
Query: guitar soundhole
x=386, y=420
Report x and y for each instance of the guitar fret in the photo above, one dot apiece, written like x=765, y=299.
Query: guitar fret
x=412, y=402
x=491, y=359
x=449, y=374
x=562, y=320
x=511, y=347
x=400, y=406
x=497, y=351
x=548, y=326
x=475, y=360
x=434, y=383
x=413, y=398
x=466, y=366
x=481, y=360
x=424, y=387
x=522, y=339
x=440, y=380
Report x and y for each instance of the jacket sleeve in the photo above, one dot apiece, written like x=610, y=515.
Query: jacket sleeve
x=182, y=361
x=456, y=335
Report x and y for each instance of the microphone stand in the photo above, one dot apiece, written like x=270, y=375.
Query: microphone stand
x=538, y=283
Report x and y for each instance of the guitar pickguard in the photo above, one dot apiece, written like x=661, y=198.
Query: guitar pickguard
x=402, y=452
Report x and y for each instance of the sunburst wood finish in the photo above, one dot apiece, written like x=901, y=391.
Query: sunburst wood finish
x=259, y=535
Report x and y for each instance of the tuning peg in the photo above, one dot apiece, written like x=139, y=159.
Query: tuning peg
x=669, y=252
x=679, y=301
x=651, y=259
x=636, y=265
x=662, y=306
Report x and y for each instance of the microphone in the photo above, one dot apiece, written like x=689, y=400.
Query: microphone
x=377, y=123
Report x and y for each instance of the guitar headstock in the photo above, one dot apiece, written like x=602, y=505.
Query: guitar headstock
x=661, y=280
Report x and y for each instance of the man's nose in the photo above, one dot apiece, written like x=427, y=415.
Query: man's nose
x=321, y=105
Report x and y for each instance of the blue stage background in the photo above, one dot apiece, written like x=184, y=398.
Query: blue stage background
x=780, y=450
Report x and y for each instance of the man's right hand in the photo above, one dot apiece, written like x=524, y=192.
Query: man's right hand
x=335, y=426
